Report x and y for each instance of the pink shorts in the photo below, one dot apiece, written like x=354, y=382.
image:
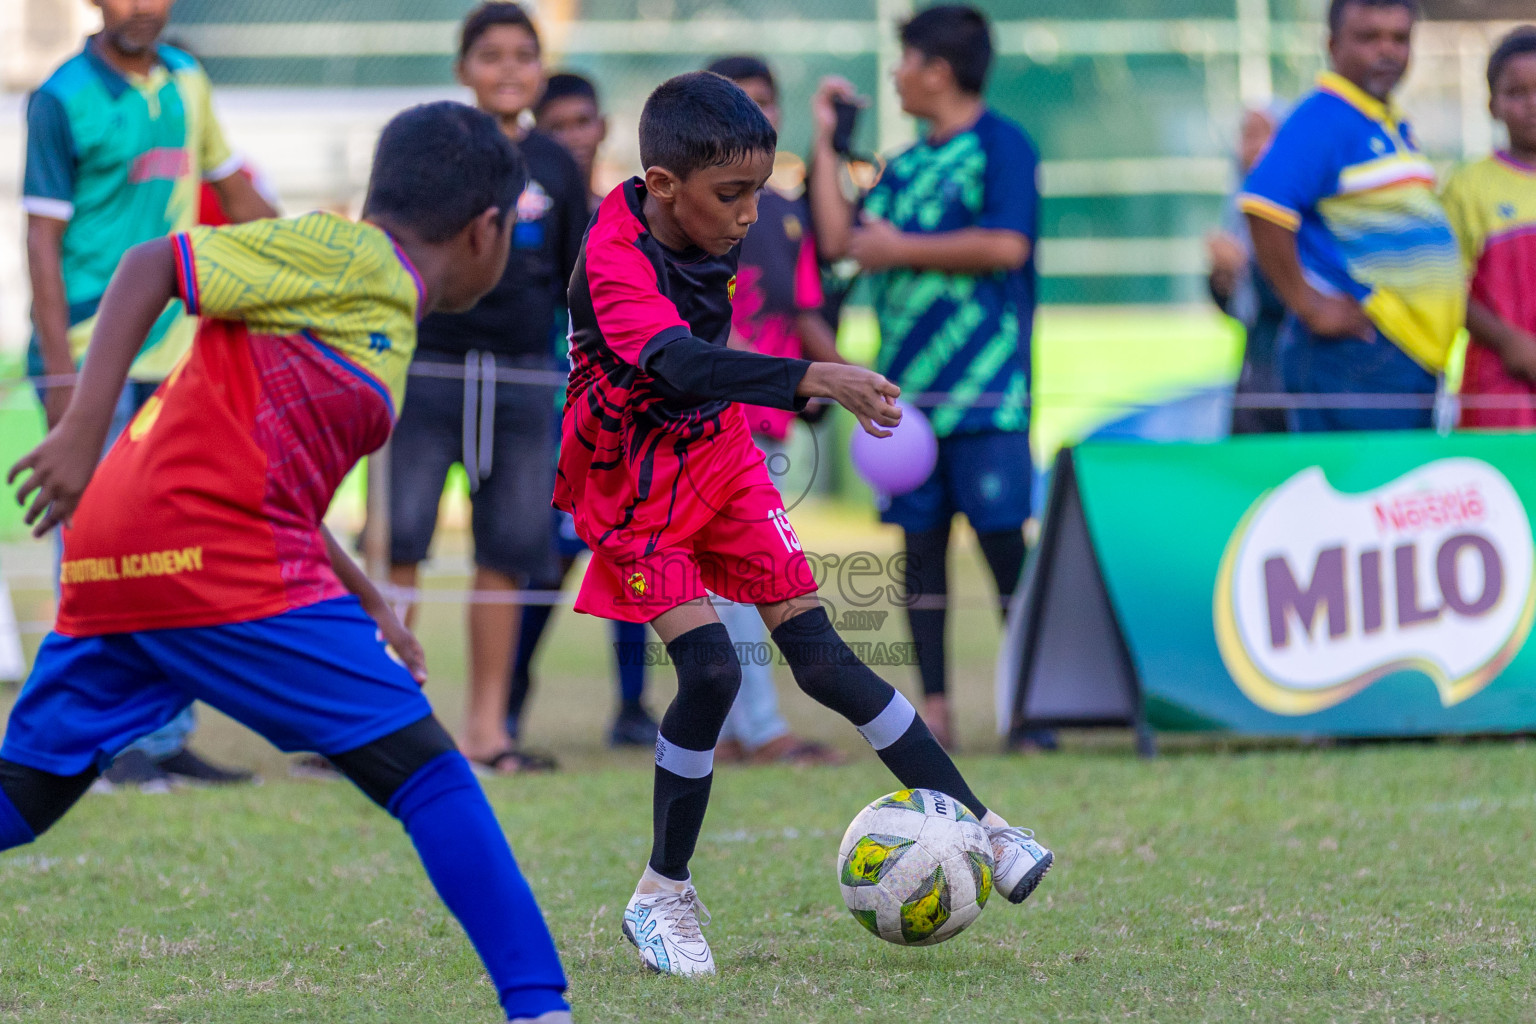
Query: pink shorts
x=747, y=552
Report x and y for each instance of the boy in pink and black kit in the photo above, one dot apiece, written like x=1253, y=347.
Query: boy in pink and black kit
x=776, y=311
x=658, y=469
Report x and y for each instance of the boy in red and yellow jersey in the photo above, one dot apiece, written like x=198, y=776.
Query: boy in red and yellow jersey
x=1492, y=206
x=196, y=565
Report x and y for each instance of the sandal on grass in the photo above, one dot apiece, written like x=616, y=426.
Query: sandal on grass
x=794, y=750
x=513, y=762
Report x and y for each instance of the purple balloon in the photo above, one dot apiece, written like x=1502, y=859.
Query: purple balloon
x=900, y=463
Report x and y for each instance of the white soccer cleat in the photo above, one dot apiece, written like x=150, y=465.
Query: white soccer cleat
x=664, y=926
x=1019, y=862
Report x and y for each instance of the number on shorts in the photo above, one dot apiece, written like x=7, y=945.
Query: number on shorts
x=786, y=532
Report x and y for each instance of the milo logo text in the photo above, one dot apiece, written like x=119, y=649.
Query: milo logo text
x=1321, y=594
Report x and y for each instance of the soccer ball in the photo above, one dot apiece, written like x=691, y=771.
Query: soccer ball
x=915, y=867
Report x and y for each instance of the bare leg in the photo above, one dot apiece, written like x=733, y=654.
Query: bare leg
x=404, y=576
x=493, y=629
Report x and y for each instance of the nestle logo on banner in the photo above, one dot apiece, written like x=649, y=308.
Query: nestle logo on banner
x=1320, y=593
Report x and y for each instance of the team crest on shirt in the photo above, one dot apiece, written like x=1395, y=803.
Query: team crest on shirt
x=730, y=288
x=636, y=581
x=792, y=229
x=533, y=203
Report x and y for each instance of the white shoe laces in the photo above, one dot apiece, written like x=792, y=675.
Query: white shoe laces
x=684, y=911
x=1012, y=832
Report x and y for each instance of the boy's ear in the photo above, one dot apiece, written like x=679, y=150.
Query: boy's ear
x=602, y=129
x=484, y=232
x=661, y=183
x=458, y=72
x=945, y=70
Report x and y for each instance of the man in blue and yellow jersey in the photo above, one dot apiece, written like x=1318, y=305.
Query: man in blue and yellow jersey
x=1347, y=227
x=119, y=140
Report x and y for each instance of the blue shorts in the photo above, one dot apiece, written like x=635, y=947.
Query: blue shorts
x=989, y=477
x=1311, y=365
x=315, y=678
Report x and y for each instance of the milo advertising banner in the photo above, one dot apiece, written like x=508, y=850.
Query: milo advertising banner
x=1353, y=585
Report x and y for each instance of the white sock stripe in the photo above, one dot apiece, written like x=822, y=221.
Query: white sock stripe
x=690, y=764
x=891, y=724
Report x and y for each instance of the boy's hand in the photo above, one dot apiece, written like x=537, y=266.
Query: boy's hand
x=59, y=468
x=869, y=396
x=877, y=245
x=822, y=112
x=1338, y=316
x=404, y=647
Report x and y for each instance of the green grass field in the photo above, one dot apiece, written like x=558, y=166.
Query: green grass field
x=1383, y=884
x=1216, y=883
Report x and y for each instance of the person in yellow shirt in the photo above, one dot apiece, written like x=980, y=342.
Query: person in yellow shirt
x=1492, y=206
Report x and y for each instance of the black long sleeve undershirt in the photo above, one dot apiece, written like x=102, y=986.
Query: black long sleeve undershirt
x=694, y=368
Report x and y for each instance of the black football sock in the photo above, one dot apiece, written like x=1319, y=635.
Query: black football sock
x=708, y=676
x=927, y=584
x=1004, y=552
x=831, y=674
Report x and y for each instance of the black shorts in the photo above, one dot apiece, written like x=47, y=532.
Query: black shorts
x=505, y=446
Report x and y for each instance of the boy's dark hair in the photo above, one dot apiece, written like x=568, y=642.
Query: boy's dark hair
x=1517, y=44
x=957, y=35
x=440, y=165
x=701, y=120
x=565, y=85
x=741, y=67
x=1337, y=7
x=487, y=16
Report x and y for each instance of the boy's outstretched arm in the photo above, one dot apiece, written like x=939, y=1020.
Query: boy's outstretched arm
x=868, y=395
x=691, y=366
x=407, y=648
x=62, y=465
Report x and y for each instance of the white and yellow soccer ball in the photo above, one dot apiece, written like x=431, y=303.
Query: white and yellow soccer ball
x=915, y=867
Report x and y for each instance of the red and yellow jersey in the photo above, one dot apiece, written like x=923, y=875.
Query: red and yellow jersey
x=207, y=510
x=1492, y=207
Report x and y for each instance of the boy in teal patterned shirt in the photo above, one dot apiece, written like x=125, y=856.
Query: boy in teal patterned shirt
x=948, y=237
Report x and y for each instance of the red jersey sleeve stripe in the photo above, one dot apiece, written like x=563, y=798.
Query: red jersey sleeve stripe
x=186, y=273
x=626, y=295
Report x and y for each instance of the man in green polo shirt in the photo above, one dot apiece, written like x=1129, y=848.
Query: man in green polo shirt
x=119, y=139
